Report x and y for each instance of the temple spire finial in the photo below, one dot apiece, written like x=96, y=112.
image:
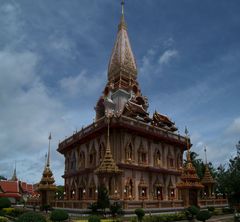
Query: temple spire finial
x=122, y=4
x=48, y=156
x=14, y=177
x=188, y=145
x=205, y=150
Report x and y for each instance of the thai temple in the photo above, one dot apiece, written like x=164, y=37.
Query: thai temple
x=138, y=157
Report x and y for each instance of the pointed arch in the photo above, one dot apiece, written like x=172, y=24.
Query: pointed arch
x=92, y=156
x=81, y=160
x=101, y=151
x=158, y=189
x=157, y=158
x=129, y=152
x=129, y=189
x=142, y=154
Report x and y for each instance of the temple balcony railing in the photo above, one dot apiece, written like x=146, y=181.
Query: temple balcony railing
x=122, y=121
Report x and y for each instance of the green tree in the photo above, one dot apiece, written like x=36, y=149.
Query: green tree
x=200, y=165
x=2, y=177
x=4, y=203
x=60, y=192
x=103, y=198
x=228, y=180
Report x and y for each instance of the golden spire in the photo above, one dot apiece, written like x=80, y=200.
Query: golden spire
x=189, y=177
x=122, y=24
x=122, y=58
x=108, y=164
x=14, y=177
x=122, y=3
x=48, y=156
x=188, y=145
x=205, y=150
x=47, y=180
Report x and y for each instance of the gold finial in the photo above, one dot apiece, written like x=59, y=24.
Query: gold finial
x=205, y=150
x=122, y=22
x=122, y=3
x=188, y=145
x=48, y=156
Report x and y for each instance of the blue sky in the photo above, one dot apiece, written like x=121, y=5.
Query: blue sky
x=53, y=67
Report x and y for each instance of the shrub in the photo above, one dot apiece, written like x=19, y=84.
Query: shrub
x=94, y=218
x=58, y=215
x=228, y=210
x=4, y=202
x=203, y=215
x=93, y=207
x=3, y=219
x=31, y=217
x=8, y=211
x=211, y=209
x=46, y=208
x=17, y=212
x=140, y=214
x=116, y=209
x=191, y=212
x=2, y=213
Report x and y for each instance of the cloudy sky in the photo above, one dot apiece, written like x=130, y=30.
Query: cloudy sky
x=53, y=67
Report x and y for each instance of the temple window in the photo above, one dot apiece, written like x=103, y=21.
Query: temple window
x=158, y=193
x=128, y=190
x=101, y=152
x=92, y=157
x=142, y=192
x=142, y=156
x=157, y=159
x=73, y=162
x=129, y=153
x=90, y=192
x=81, y=160
x=171, y=193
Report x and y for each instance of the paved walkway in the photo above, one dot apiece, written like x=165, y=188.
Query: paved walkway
x=221, y=218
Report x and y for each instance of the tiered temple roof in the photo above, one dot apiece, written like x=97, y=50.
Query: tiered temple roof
x=207, y=177
x=47, y=180
x=189, y=177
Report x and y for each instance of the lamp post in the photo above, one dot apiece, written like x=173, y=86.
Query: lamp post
x=84, y=192
x=143, y=192
x=115, y=193
x=172, y=197
x=73, y=193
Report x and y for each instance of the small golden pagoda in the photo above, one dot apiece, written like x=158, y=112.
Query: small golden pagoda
x=208, y=181
x=189, y=185
x=108, y=171
x=46, y=186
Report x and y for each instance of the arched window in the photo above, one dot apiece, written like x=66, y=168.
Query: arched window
x=128, y=189
x=92, y=157
x=73, y=162
x=101, y=152
x=81, y=160
x=157, y=158
x=142, y=155
x=129, y=153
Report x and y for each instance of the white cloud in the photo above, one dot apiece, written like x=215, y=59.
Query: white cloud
x=28, y=113
x=82, y=84
x=234, y=127
x=167, y=56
